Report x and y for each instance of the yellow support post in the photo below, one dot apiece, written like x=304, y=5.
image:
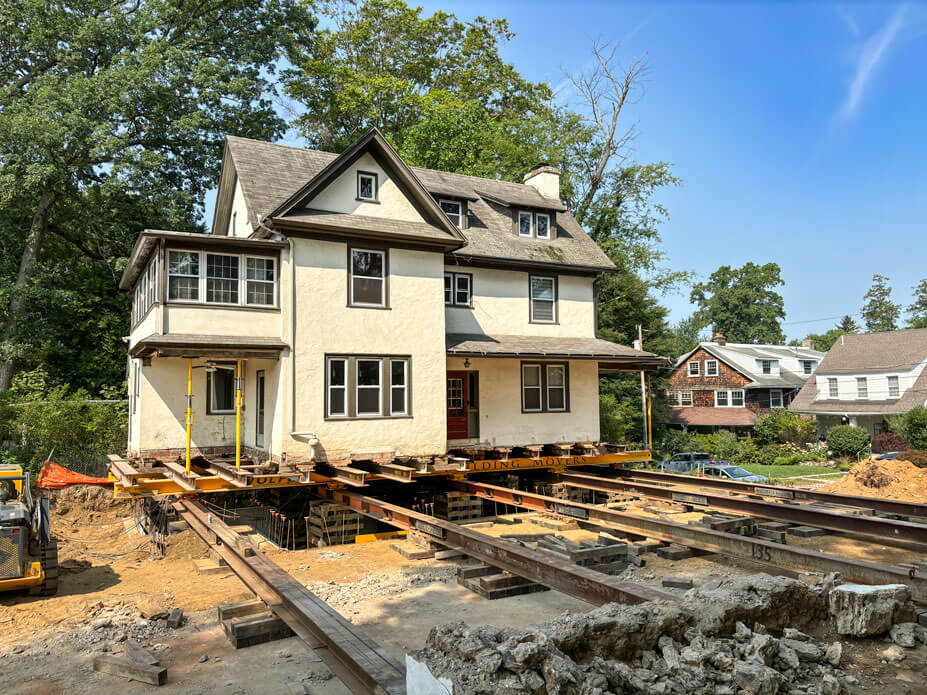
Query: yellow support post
x=649, y=417
x=238, y=417
x=189, y=408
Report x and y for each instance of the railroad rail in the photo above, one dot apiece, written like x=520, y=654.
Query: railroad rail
x=529, y=563
x=763, y=552
x=877, y=527
x=781, y=492
x=359, y=662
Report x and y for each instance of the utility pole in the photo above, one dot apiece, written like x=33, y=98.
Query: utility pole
x=644, y=419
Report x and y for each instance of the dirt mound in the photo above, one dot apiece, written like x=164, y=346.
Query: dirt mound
x=892, y=479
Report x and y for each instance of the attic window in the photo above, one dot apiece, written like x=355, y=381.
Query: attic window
x=542, y=226
x=454, y=210
x=366, y=186
x=524, y=224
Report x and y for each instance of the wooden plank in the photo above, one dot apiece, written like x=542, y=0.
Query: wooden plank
x=226, y=611
x=135, y=652
x=117, y=666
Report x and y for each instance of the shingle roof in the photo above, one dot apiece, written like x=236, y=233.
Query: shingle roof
x=886, y=351
x=339, y=221
x=479, y=345
x=743, y=356
x=270, y=173
x=717, y=417
x=197, y=341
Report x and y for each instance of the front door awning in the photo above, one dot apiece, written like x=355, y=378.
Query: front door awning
x=196, y=345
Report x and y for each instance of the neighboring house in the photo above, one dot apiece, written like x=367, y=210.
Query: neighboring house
x=721, y=385
x=866, y=378
x=380, y=310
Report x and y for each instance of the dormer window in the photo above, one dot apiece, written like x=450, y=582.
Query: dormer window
x=525, y=226
x=769, y=367
x=366, y=186
x=454, y=210
x=807, y=366
x=543, y=226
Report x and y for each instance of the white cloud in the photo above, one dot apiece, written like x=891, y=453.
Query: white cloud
x=871, y=55
x=849, y=20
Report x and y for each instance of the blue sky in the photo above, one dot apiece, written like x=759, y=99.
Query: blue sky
x=798, y=129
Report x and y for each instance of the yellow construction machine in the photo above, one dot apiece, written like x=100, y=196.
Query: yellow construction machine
x=28, y=555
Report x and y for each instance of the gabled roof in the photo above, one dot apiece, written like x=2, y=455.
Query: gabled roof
x=742, y=358
x=270, y=174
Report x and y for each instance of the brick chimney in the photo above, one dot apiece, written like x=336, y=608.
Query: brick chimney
x=808, y=343
x=720, y=339
x=546, y=179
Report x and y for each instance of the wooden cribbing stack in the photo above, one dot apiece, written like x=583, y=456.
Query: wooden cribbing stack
x=333, y=524
x=457, y=506
x=250, y=622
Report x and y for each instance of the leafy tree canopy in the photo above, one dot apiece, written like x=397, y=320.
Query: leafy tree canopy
x=742, y=303
x=879, y=312
x=918, y=309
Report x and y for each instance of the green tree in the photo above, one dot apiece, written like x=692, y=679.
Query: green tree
x=847, y=440
x=742, y=303
x=111, y=117
x=918, y=309
x=879, y=312
x=682, y=337
x=848, y=325
x=913, y=427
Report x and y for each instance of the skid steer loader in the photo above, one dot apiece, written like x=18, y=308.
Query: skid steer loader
x=28, y=555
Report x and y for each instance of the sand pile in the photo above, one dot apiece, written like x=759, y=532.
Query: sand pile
x=893, y=479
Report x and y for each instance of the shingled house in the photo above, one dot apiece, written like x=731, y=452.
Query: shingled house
x=721, y=385
x=373, y=309
x=864, y=379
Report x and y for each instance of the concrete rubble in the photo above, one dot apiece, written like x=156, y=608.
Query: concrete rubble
x=744, y=636
x=860, y=610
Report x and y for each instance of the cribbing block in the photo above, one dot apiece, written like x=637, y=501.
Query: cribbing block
x=208, y=566
x=118, y=666
x=227, y=611
x=410, y=551
x=674, y=552
x=248, y=630
x=473, y=571
x=807, y=531
x=770, y=535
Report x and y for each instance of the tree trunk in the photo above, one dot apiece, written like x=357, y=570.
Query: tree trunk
x=26, y=264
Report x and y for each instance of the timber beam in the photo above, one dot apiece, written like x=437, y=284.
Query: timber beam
x=875, y=526
x=763, y=552
x=564, y=576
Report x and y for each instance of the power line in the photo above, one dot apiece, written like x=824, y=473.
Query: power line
x=826, y=318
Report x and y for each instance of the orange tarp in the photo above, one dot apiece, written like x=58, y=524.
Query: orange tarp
x=52, y=477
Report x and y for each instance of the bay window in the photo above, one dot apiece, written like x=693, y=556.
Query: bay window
x=220, y=278
x=183, y=276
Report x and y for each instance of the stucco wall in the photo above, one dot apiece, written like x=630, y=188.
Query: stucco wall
x=149, y=325
x=501, y=306
x=341, y=194
x=413, y=325
x=501, y=421
x=239, y=224
x=214, y=320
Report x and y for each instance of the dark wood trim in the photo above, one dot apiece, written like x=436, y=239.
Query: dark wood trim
x=376, y=186
x=368, y=247
x=544, y=364
x=306, y=230
x=463, y=259
x=556, y=279
x=233, y=307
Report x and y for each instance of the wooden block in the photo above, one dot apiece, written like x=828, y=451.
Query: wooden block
x=636, y=560
x=117, y=666
x=449, y=554
x=249, y=630
x=175, y=619
x=922, y=618
x=807, y=531
x=677, y=582
x=410, y=551
x=770, y=535
x=473, y=571
x=227, y=611
x=206, y=566
x=674, y=552
x=135, y=652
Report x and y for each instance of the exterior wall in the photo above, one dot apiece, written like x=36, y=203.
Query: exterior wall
x=341, y=194
x=239, y=224
x=874, y=424
x=217, y=320
x=877, y=383
x=727, y=378
x=503, y=424
x=412, y=325
x=500, y=305
x=149, y=325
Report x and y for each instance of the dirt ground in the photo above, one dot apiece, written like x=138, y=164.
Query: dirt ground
x=47, y=644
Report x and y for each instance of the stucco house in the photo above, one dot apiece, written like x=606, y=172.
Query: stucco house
x=721, y=385
x=375, y=310
x=866, y=378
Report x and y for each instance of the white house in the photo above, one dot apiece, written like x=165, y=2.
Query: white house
x=867, y=377
x=376, y=311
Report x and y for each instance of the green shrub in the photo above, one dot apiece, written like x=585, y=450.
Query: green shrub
x=725, y=445
x=675, y=441
x=784, y=427
x=747, y=452
x=847, y=440
x=913, y=427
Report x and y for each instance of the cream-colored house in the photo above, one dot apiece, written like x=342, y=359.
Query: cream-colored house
x=378, y=310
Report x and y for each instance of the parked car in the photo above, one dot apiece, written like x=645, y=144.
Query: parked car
x=888, y=455
x=736, y=473
x=688, y=461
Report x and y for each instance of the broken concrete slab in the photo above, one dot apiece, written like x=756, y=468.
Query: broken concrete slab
x=861, y=610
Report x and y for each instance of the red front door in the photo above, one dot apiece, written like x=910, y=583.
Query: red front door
x=457, y=405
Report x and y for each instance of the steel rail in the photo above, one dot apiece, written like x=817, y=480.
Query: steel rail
x=779, y=492
x=875, y=526
x=535, y=565
x=766, y=553
x=359, y=662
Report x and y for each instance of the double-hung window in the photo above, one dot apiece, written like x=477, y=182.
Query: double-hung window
x=693, y=369
x=543, y=291
x=365, y=386
x=807, y=366
x=729, y=399
x=862, y=387
x=545, y=387
x=737, y=399
x=833, y=390
x=454, y=210
x=458, y=289
x=542, y=226
x=367, y=283
x=183, y=276
x=769, y=366
x=525, y=226
x=721, y=399
x=894, y=390
x=221, y=279
x=260, y=281
x=775, y=398
x=711, y=367
x=685, y=398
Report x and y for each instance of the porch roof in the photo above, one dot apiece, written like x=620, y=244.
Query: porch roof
x=617, y=356
x=197, y=345
x=697, y=415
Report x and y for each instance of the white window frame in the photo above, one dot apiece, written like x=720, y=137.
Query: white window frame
x=373, y=185
x=540, y=388
x=807, y=367
x=537, y=227
x=457, y=278
x=862, y=387
x=777, y=392
x=379, y=387
x=200, y=276
x=205, y=277
x=460, y=210
x=404, y=386
x=245, y=281
x=562, y=387
x=672, y=397
x=448, y=289
x=683, y=397
x=773, y=366
x=743, y=398
x=522, y=213
x=833, y=387
x=531, y=299
x=708, y=371
x=382, y=278
x=894, y=386
x=211, y=409
x=202, y=279
x=698, y=369
x=343, y=387
x=727, y=399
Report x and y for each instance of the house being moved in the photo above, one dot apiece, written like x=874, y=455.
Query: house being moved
x=374, y=311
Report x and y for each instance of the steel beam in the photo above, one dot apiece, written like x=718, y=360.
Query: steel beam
x=767, y=553
x=875, y=526
x=780, y=492
x=534, y=565
x=359, y=662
